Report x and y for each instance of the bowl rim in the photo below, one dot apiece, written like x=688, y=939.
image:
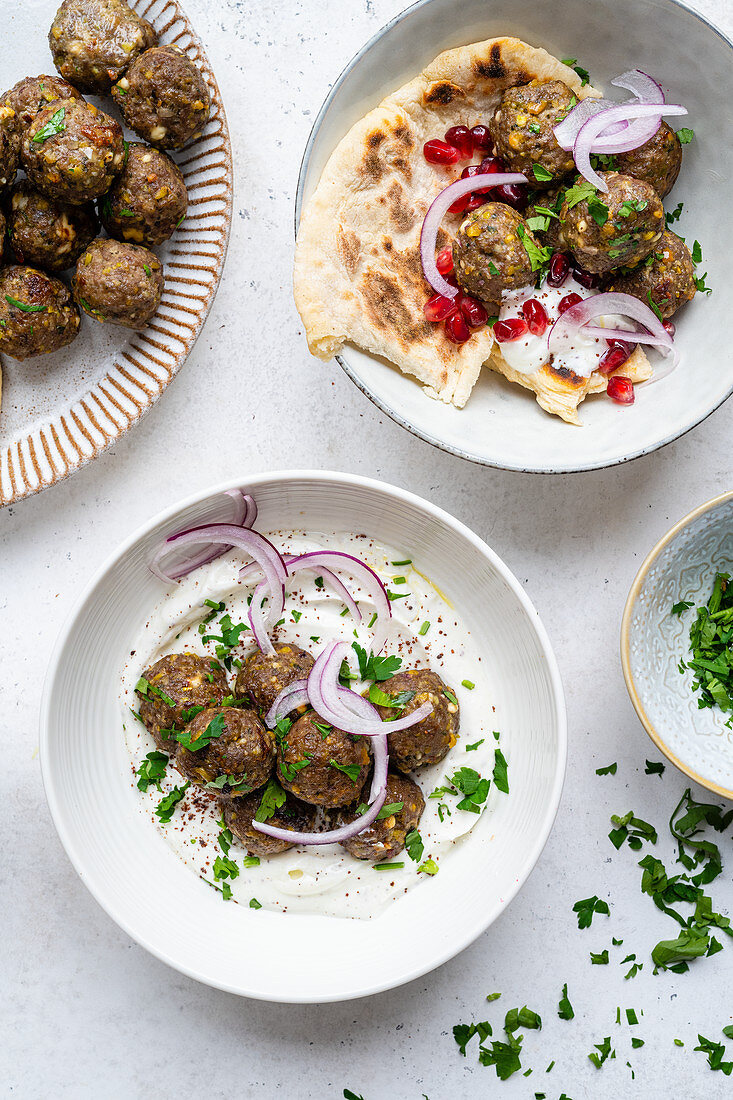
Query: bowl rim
x=631, y=599
x=380, y=403
x=75, y=850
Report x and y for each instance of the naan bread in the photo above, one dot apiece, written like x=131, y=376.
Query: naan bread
x=358, y=275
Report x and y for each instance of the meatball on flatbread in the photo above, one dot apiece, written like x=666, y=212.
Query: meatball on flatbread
x=358, y=275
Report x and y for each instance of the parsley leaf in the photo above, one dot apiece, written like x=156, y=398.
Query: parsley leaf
x=653, y=768
x=165, y=808
x=151, y=770
x=587, y=908
x=414, y=845
x=375, y=668
x=272, y=799
x=352, y=770
x=673, y=216
x=54, y=126
x=685, y=135
x=541, y=174
x=610, y=769
x=539, y=256
x=201, y=739
x=564, y=1009
x=501, y=778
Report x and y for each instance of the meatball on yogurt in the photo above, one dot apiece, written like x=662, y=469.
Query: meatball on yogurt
x=385, y=837
x=523, y=130
x=621, y=228
x=94, y=41
x=170, y=688
x=37, y=314
x=72, y=151
x=227, y=751
x=147, y=200
x=427, y=741
x=666, y=278
x=489, y=253
x=164, y=98
x=292, y=814
x=263, y=676
x=119, y=283
x=50, y=234
x=321, y=764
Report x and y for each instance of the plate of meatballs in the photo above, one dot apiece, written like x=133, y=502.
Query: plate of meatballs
x=116, y=180
x=341, y=727
x=531, y=216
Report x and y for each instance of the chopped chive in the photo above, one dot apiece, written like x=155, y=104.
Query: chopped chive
x=399, y=580
x=423, y=629
x=372, y=620
x=388, y=866
x=397, y=564
x=468, y=684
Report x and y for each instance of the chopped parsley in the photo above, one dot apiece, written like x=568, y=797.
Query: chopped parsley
x=396, y=702
x=673, y=216
x=254, y=903
x=539, y=256
x=375, y=668
x=564, y=1009
x=696, y=252
x=290, y=770
x=584, y=191
x=604, y=1051
x=227, y=640
x=144, y=687
x=715, y=1052
x=653, y=768
x=599, y=958
x=501, y=778
x=475, y=745
x=151, y=771
x=582, y=73
x=632, y=829
x=685, y=135
x=353, y=771
x=54, y=126
x=388, y=810
x=272, y=800
x=414, y=845
x=678, y=608
x=541, y=174
x=474, y=789
x=632, y=206
x=587, y=908
x=610, y=769
x=711, y=645
x=237, y=784
x=166, y=807
x=225, y=868
x=200, y=740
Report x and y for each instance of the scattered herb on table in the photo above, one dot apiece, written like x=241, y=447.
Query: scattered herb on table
x=587, y=908
x=564, y=1009
x=610, y=769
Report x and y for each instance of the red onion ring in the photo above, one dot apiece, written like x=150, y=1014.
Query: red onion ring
x=290, y=698
x=244, y=516
x=319, y=559
x=365, y=576
x=601, y=305
x=377, y=796
x=566, y=131
x=437, y=211
x=642, y=86
x=589, y=139
x=258, y=615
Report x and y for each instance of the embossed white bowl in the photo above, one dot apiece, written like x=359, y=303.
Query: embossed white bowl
x=681, y=566
x=136, y=876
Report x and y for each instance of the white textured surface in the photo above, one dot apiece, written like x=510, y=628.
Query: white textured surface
x=86, y=1012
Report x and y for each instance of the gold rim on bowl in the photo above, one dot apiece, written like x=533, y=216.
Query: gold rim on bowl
x=625, y=646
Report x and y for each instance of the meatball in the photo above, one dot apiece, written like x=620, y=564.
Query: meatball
x=489, y=255
x=239, y=813
x=72, y=151
x=94, y=41
x=385, y=838
x=170, y=688
x=428, y=741
x=164, y=98
x=632, y=219
x=667, y=277
x=311, y=758
x=658, y=161
x=522, y=130
x=235, y=747
x=147, y=200
x=262, y=677
x=37, y=314
x=50, y=234
x=30, y=95
x=119, y=283
x=9, y=150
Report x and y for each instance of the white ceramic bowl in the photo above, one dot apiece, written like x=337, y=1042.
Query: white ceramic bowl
x=133, y=873
x=682, y=566
x=502, y=425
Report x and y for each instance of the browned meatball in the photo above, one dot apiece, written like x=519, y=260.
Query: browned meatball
x=489, y=252
x=262, y=677
x=147, y=200
x=539, y=217
x=50, y=234
x=239, y=813
x=72, y=151
x=94, y=41
x=30, y=95
x=623, y=225
x=428, y=741
x=311, y=758
x=658, y=161
x=175, y=686
x=9, y=151
x=226, y=751
x=522, y=129
x=119, y=283
x=667, y=277
x=385, y=838
x=164, y=98
x=37, y=314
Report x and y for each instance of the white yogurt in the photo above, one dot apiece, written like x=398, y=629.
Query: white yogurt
x=526, y=355
x=324, y=880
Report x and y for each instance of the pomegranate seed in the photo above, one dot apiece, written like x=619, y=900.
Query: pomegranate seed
x=460, y=137
x=559, y=268
x=535, y=315
x=670, y=328
x=438, y=308
x=621, y=345
x=511, y=329
x=612, y=360
x=459, y=205
x=472, y=170
x=444, y=260
x=477, y=200
x=456, y=328
x=512, y=194
x=586, y=278
x=621, y=389
x=450, y=278
x=568, y=302
x=440, y=152
x=492, y=164
x=482, y=138
x=474, y=313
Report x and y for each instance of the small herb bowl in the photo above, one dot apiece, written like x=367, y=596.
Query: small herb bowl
x=681, y=567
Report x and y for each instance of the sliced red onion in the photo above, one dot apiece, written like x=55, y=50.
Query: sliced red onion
x=320, y=559
x=566, y=131
x=365, y=576
x=290, y=698
x=630, y=335
x=641, y=85
x=437, y=211
x=589, y=139
x=609, y=304
x=377, y=796
x=258, y=615
x=244, y=516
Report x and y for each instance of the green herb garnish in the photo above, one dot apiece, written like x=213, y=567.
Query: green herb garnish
x=610, y=769
x=565, y=1009
x=151, y=770
x=352, y=770
x=587, y=908
x=165, y=808
x=685, y=135
x=22, y=305
x=272, y=800
x=414, y=845
x=216, y=727
x=55, y=125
